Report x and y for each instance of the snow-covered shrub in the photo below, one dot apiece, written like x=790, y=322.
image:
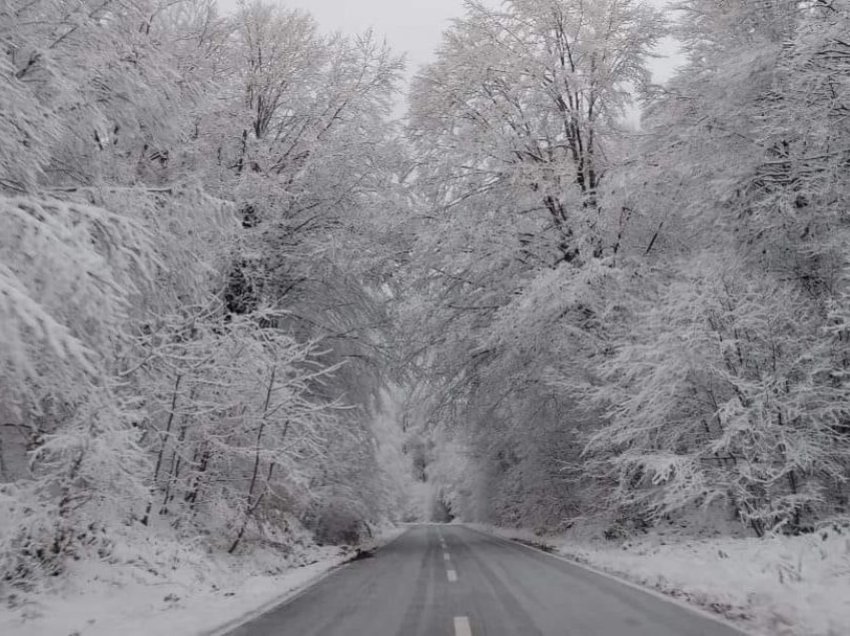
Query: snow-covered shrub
x=719, y=395
x=338, y=522
x=67, y=273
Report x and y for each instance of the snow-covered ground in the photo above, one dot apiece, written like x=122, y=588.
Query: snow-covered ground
x=168, y=588
x=777, y=586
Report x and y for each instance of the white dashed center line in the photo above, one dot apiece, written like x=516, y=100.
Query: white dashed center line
x=462, y=626
x=452, y=576
x=446, y=556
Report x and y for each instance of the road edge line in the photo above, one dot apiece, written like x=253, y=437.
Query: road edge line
x=696, y=609
x=290, y=596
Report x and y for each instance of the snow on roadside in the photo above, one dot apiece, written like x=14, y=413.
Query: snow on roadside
x=168, y=588
x=777, y=586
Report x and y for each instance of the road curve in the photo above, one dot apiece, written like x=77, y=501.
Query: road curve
x=452, y=581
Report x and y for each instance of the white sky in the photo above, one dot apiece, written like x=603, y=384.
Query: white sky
x=411, y=26
x=414, y=27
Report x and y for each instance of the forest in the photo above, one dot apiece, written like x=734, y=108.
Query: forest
x=242, y=298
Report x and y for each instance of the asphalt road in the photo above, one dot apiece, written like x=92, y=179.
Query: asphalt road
x=452, y=581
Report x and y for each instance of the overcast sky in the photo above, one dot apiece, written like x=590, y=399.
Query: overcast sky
x=412, y=26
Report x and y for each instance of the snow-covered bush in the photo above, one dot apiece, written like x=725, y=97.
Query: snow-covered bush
x=67, y=274
x=719, y=395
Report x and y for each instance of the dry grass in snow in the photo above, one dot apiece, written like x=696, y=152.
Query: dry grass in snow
x=156, y=586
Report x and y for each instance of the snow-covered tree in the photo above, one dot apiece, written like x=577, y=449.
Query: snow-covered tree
x=133, y=390
x=734, y=205
x=515, y=127
x=521, y=106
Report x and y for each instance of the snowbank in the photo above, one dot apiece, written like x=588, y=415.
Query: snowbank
x=777, y=586
x=153, y=587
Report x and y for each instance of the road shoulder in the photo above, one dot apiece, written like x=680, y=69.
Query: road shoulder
x=298, y=585
x=555, y=549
